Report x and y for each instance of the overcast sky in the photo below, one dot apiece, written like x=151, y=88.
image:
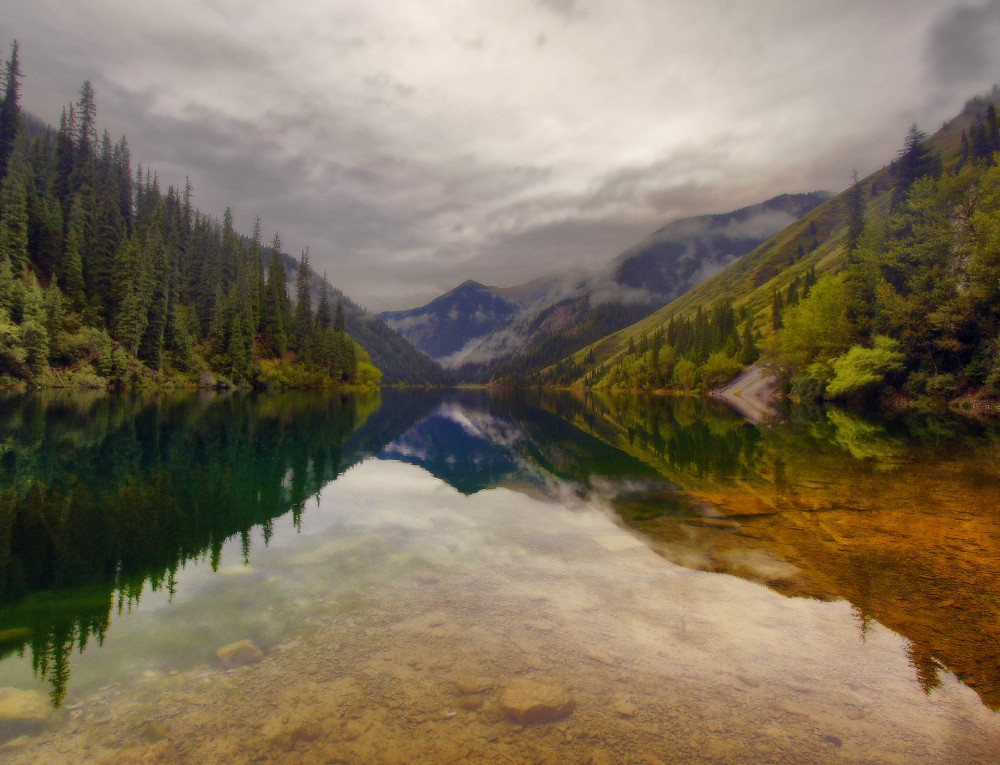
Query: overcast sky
x=412, y=145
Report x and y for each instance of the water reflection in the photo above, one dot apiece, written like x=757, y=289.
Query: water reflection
x=103, y=499
x=105, y=496
x=899, y=517
x=896, y=516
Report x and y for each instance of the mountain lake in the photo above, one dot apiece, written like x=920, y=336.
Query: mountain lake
x=450, y=577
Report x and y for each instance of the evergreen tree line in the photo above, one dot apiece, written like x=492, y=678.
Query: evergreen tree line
x=916, y=309
x=688, y=352
x=107, y=279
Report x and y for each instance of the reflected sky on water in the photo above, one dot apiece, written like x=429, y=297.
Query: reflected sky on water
x=701, y=588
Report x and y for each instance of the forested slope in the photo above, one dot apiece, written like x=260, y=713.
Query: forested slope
x=890, y=287
x=106, y=279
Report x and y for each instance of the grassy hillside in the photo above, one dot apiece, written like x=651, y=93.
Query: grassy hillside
x=665, y=265
x=816, y=241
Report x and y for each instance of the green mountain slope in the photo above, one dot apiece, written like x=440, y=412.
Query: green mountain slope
x=666, y=264
x=816, y=244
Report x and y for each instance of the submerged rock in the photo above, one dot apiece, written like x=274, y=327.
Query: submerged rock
x=473, y=684
x=625, y=709
x=303, y=733
x=239, y=654
x=529, y=701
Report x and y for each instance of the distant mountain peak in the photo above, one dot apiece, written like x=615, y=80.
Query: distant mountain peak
x=477, y=325
x=450, y=324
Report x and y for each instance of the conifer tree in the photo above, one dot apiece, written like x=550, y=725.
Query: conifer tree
x=239, y=354
x=230, y=249
x=138, y=188
x=221, y=325
x=14, y=212
x=856, y=213
x=121, y=162
x=181, y=342
x=982, y=146
x=132, y=315
x=104, y=231
x=8, y=287
x=303, y=319
x=55, y=315
x=86, y=135
x=10, y=109
x=339, y=324
x=323, y=310
x=810, y=281
x=173, y=258
x=255, y=284
x=158, y=299
x=65, y=150
x=993, y=127
x=34, y=335
x=203, y=249
x=913, y=161
x=792, y=293
x=748, y=347
x=187, y=220
x=46, y=233
x=274, y=313
x=345, y=360
x=118, y=255
x=71, y=267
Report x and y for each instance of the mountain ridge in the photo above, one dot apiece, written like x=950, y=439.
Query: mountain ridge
x=635, y=283
x=781, y=269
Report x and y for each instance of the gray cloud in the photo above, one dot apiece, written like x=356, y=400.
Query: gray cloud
x=412, y=146
x=963, y=46
x=568, y=9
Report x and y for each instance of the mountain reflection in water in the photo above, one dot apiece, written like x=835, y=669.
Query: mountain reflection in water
x=104, y=499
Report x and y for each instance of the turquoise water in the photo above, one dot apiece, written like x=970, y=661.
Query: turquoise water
x=672, y=583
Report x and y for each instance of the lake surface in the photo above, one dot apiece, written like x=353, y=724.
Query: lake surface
x=455, y=577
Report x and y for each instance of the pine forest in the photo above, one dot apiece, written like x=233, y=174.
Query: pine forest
x=107, y=280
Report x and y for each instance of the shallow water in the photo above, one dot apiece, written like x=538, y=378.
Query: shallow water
x=423, y=558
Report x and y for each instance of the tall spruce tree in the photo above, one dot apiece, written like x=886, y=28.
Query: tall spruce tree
x=913, y=161
x=14, y=221
x=303, y=319
x=274, y=313
x=339, y=324
x=65, y=150
x=122, y=168
x=159, y=296
x=71, y=267
x=323, y=309
x=132, y=315
x=10, y=108
x=254, y=280
x=34, y=335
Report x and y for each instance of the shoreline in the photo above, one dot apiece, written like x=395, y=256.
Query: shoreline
x=753, y=393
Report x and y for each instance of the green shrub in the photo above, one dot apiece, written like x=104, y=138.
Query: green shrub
x=719, y=369
x=863, y=369
x=685, y=375
x=941, y=386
